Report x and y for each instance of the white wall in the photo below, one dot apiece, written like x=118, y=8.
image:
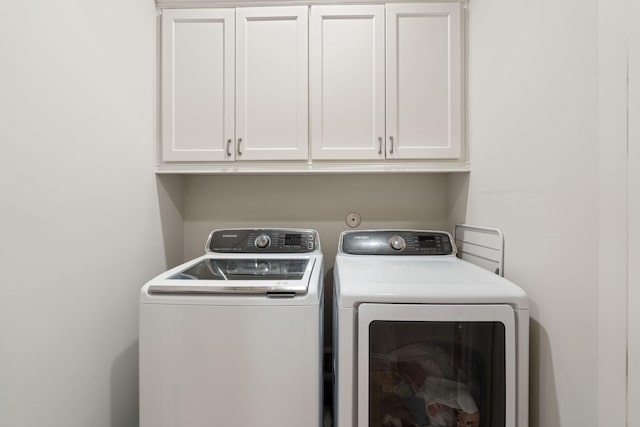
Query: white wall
x=80, y=225
x=533, y=132
x=633, y=32
x=613, y=212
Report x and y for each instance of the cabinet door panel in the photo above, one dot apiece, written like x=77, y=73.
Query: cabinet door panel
x=424, y=56
x=347, y=82
x=197, y=84
x=272, y=83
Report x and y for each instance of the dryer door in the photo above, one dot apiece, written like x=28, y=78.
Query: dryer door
x=436, y=365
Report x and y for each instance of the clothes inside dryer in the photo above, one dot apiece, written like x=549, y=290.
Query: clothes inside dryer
x=443, y=374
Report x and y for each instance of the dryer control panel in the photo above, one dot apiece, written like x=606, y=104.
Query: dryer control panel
x=397, y=242
x=268, y=240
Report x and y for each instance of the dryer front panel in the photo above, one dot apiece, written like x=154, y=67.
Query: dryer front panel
x=436, y=365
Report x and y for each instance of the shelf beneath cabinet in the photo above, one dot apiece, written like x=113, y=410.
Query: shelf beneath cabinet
x=283, y=168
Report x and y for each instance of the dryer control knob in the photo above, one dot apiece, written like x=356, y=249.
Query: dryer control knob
x=397, y=243
x=262, y=241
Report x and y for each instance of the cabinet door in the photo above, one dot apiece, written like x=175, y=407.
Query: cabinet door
x=272, y=83
x=347, y=82
x=197, y=84
x=424, y=81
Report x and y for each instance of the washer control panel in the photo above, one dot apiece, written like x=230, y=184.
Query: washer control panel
x=397, y=242
x=268, y=240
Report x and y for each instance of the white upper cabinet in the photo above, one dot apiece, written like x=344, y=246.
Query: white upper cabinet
x=347, y=82
x=320, y=88
x=419, y=117
x=197, y=84
x=424, y=81
x=235, y=84
x=272, y=83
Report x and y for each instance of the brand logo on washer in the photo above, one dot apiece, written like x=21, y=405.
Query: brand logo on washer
x=361, y=237
x=226, y=236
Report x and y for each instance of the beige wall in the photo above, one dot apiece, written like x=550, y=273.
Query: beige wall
x=318, y=202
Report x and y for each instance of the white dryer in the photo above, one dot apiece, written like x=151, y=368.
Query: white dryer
x=234, y=338
x=422, y=338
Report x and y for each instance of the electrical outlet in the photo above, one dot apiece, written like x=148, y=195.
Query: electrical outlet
x=353, y=219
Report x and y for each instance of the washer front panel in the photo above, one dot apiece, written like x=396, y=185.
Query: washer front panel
x=269, y=240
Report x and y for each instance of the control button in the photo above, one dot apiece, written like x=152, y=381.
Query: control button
x=397, y=243
x=310, y=245
x=262, y=241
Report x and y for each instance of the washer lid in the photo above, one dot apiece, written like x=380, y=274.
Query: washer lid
x=238, y=275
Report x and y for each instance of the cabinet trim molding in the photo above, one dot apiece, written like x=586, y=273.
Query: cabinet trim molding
x=171, y=4
x=318, y=168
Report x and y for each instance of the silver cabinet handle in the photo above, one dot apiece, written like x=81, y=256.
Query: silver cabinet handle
x=391, y=149
x=228, y=148
x=379, y=145
x=239, y=142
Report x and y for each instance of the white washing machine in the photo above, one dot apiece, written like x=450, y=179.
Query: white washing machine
x=234, y=338
x=422, y=338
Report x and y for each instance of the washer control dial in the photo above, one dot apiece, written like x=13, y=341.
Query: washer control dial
x=262, y=241
x=397, y=243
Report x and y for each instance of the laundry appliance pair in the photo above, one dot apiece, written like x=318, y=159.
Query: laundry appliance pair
x=421, y=338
